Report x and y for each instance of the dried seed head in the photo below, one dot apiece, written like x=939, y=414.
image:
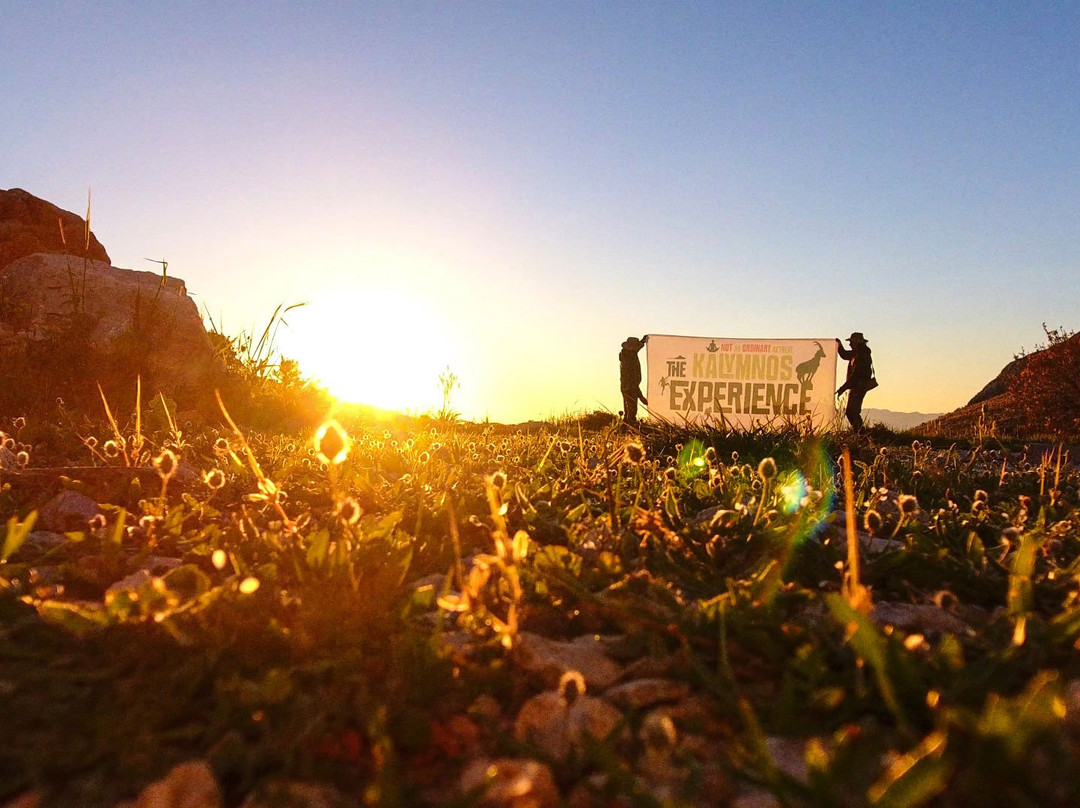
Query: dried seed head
x=111, y=449
x=349, y=511
x=19, y=423
x=214, y=479
x=90, y=442
x=221, y=446
x=766, y=469
x=908, y=504
x=710, y=455
x=658, y=731
x=734, y=457
x=331, y=443
x=498, y=480
x=572, y=685
x=165, y=463
x=872, y=522
x=97, y=521
x=670, y=473
x=22, y=459
x=980, y=496
x=634, y=453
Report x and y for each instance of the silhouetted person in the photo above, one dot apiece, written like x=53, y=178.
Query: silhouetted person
x=860, y=377
x=630, y=378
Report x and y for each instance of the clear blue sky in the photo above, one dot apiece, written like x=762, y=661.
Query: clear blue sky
x=514, y=188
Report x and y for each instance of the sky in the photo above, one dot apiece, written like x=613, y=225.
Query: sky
x=508, y=190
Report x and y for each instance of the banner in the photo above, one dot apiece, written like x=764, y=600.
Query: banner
x=741, y=383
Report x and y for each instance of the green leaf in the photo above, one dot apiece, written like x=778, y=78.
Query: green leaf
x=871, y=646
x=320, y=544
x=79, y=619
x=16, y=534
x=915, y=777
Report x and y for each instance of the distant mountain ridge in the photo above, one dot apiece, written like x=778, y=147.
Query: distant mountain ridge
x=898, y=421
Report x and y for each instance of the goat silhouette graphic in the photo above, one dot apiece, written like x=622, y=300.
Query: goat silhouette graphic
x=804, y=371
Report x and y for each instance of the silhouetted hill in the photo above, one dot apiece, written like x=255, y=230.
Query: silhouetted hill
x=898, y=421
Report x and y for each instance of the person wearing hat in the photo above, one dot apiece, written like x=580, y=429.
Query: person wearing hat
x=860, y=377
x=630, y=378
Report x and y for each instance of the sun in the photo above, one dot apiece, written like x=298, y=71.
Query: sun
x=381, y=348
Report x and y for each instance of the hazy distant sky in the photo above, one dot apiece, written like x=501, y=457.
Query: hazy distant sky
x=511, y=189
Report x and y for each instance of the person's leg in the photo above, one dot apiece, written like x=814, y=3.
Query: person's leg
x=629, y=402
x=854, y=409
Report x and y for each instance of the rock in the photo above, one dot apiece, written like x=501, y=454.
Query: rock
x=295, y=795
x=510, y=783
x=97, y=323
x=558, y=727
x=159, y=565
x=641, y=693
x=68, y=511
x=789, y=756
x=42, y=541
x=31, y=225
x=188, y=785
x=925, y=618
x=547, y=660
x=132, y=582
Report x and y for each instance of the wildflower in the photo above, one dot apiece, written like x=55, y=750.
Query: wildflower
x=766, y=469
x=908, y=504
x=165, y=463
x=218, y=559
x=249, y=586
x=214, y=479
x=634, y=453
x=349, y=511
x=872, y=522
x=332, y=443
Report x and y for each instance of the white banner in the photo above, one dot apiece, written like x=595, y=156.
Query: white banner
x=741, y=383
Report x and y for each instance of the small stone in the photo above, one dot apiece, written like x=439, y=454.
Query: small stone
x=641, y=693
x=510, y=783
x=924, y=618
x=188, y=785
x=295, y=795
x=68, y=511
x=547, y=660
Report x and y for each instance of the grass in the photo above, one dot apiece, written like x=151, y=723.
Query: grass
x=352, y=611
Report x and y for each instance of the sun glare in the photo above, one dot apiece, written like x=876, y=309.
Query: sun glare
x=384, y=349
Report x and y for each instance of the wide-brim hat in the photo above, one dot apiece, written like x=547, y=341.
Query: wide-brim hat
x=856, y=336
x=633, y=343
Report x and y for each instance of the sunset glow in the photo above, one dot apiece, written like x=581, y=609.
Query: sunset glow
x=382, y=348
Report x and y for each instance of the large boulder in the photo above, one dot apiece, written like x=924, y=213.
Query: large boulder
x=31, y=225
x=67, y=324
